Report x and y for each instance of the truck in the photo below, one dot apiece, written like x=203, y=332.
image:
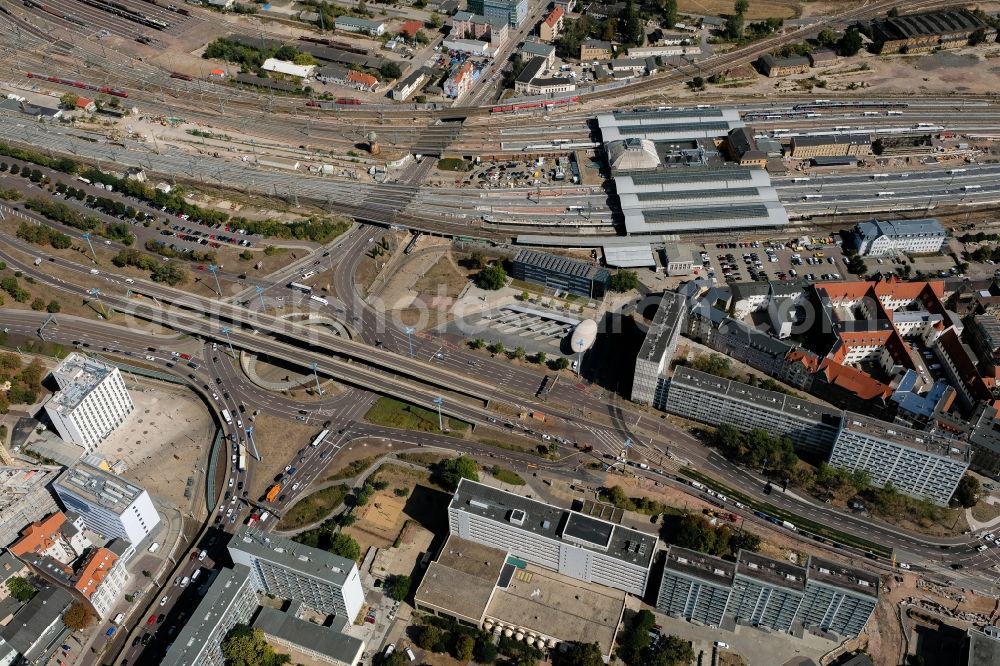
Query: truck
x=227, y=417
x=788, y=526
x=38, y=261
x=243, y=459
x=272, y=492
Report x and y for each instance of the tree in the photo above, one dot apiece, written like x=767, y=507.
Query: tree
x=631, y=28
x=394, y=659
x=893, y=13
x=741, y=7
x=486, y=651
x=449, y=472
x=478, y=260
x=977, y=37
x=478, y=343
x=635, y=638
x=69, y=100
x=499, y=349
x=436, y=21
x=561, y=363
x=345, y=546
x=579, y=654
x=53, y=307
x=390, y=70
x=967, y=492
x=850, y=43
x=397, y=587
x=244, y=646
x=734, y=26
x=519, y=353
x=540, y=358
x=492, y=277
x=428, y=637
x=624, y=281
x=669, y=651
x=78, y=616
x=20, y=588
x=826, y=37
x=669, y=9
x=464, y=648
x=38, y=304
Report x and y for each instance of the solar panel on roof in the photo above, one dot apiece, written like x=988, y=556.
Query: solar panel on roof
x=705, y=213
x=678, y=127
x=690, y=176
x=698, y=194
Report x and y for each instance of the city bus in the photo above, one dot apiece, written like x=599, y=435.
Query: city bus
x=304, y=288
x=227, y=417
x=319, y=299
x=319, y=438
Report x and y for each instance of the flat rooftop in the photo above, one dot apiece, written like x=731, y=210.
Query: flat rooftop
x=294, y=556
x=698, y=565
x=16, y=482
x=840, y=575
x=206, y=617
x=687, y=376
x=914, y=439
x=462, y=578
x=99, y=487
x=924, y=24
x=663, y=328
x=773, y=572
x=559, y=264
x=325, y=640
x=77, y=375
x=559, y=606
x=556, y=523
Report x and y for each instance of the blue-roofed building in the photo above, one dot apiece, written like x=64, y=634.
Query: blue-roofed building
x=882, y=237
x=512, y=11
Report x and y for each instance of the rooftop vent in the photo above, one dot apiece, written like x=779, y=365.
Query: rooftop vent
x=516, y=517
x=682, y=560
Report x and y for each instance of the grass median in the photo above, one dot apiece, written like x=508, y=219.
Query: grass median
x=398, y=414
x=805, y=525
x=313, y=508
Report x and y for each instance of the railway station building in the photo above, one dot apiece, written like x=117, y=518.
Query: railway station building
x=561, y=273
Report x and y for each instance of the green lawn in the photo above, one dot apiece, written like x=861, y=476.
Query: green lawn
x=507, y=476
x=314, y=507
x=393, y=413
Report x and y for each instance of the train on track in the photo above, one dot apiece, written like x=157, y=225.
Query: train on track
x=848, y=105
x=532, y=106
x=341, y=101
x=107, y=90
x=182, y=77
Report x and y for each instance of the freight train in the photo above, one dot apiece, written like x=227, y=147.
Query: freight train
x=107, y=90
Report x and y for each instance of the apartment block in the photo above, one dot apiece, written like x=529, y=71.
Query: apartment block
x=695, y=586
x=551, y=27
x=713, y=400
x=512, y=11
x=766, y=593
x=230, y=600
x=918, y=463
x=320, y=580
x=54, y=537
x=36, y=631
x=102, y=577
x=837, y=598
x=24, y=498
x=658, y=347
x=91, y=402
x=573, y=543
x=108, y=504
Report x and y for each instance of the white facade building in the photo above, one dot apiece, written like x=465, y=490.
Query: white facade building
x=918, y=464
x=658, y=347
x=92, y=401
x=108, y=504
x=323, y=581
x=102, y=580
x=231, y=600
x=352, y=24
x=572, y=543
x=24, y=498
x=288, y=68
x=879, y=238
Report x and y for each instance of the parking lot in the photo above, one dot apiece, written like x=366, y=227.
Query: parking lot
x=534, y=330
x=759, y=261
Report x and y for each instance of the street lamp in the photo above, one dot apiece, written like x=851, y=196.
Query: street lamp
x=96, y=293
x=409, y=330
x=314, y=366
x=225, y=329
x=440, y=401
x=260, y=292
x=86, y=237
x=214, y=270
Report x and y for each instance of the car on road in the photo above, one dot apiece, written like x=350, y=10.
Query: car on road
x=722, y=645
x=295, y=486
x=904, y=565
x=202, y=555
x=160, y=618
x=982, y=548
x=164, y=600
x=152, y=619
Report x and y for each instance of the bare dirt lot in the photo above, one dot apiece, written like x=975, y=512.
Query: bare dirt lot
x=380, y=521
x=164, y=442
x=278, y=440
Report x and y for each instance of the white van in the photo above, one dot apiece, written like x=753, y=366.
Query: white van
x=410, y=655
x=153, y=547
x=118, y=618
x=94, y=271
x=194, y=576
x=129, y=281
x=185, y=581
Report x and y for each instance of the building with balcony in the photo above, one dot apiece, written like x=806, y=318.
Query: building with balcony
x=91, y=403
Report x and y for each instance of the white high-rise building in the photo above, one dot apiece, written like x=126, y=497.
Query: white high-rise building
x=108, y=504
x=322, y=581
x=92, y=401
